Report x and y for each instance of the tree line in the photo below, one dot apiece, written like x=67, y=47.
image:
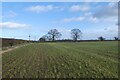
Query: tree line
x=53, y=34
x=76, y=34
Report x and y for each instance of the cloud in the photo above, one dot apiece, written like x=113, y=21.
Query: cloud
x=110, y=10
x=76, y=8
x=40, y=8
x=93, y=19
x=107, y=13
x=72, y=19
x=9, y=14
x=112, y=29
x=13, y=25
x=64, y=30
x=85, y=17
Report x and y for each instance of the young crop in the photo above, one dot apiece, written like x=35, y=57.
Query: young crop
x=62, y=60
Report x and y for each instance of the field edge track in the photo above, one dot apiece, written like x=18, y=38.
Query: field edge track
x=13, y=48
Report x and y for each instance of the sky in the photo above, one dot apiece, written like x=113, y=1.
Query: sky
x=94, y=19
x=60, y=0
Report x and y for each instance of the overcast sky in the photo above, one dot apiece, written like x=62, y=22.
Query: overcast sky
x=94, y=19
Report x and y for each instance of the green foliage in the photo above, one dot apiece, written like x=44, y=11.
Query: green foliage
x=62, y=60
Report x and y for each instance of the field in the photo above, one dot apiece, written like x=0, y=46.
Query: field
x=62, y=60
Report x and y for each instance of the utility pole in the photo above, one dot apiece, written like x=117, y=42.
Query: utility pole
x=29, y=37
x=34, y=38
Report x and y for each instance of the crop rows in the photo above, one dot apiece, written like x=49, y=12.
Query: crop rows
x=62, y=60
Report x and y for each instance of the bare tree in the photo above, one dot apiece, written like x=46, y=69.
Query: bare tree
x=101, y=38
x=76, y=34
x=53, y=34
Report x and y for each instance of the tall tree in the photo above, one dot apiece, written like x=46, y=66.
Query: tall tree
x=46, y=37
x=101, y=38
x=54, y=33
x=76, y=34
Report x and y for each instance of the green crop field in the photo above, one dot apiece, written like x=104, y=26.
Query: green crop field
x=62, y=60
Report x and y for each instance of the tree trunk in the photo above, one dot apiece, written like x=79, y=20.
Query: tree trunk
x=53, y=38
